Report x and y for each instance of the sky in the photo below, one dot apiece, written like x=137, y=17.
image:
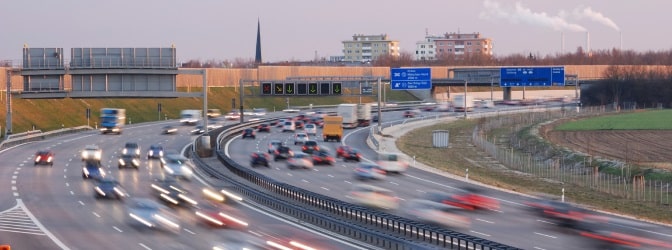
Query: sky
x=298, y=30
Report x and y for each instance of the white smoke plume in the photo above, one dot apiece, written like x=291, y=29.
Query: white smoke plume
x=521, y=14
x=588, y=12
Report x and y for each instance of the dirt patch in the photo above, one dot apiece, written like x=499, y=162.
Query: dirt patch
x=642, y=147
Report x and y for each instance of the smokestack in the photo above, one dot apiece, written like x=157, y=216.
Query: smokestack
x=587, y=42
x=620, y=43
x=562, y=42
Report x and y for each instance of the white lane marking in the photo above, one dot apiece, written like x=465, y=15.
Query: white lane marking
x=485, y=221
x=16, y=172
x=539, y=248
x=72, y=193
x=420, y=191
x=144, y=246
x=44, y=229
x=13, y=188
x=65, y=176
x=289, y=174
x=18, y=168
x=189, y=231
x=304, y=180
x=13, y=181
x=80, y=202
x=16, y=194
x=325, y=188
x=480, y=233
x=96, y=214
x=348, y=182
x=67, y=184
x=14, y=177
x=394, y=183
x=118, y=230
x=549, y=236
x=330, y=176
x=547, y=222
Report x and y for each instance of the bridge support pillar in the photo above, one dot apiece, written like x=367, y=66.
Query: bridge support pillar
x=506, y=93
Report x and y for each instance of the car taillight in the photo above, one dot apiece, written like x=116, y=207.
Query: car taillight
x=304, y=148
x=380, y=171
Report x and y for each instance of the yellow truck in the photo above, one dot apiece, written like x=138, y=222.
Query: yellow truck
x=333, y=128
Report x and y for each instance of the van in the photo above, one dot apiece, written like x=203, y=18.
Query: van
x=391, y=162
x=213, y=113
x=288, y=126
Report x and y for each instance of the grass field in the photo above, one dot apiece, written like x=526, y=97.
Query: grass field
x=50, y=114
x=641, y=120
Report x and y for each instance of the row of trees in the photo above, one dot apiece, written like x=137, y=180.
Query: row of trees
x=405, y=59
x=645, y=86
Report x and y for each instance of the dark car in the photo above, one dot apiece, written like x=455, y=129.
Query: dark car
x=274, y=122
x=92, y=170
x=128, y=161
x=310, y=146
x=340, y=150
x=109, y=189
x=412, y=113
x=131, y=148
x=258, y=158
x=318, y=121
x=44, y=157
x=351, y=154
x=264, y=127
x=171, y=192
x=155, y=152
x=374, y=118
x=248, y=132
x=168, y=130
x=323, y=157
x=282, y=153
x=298, y=124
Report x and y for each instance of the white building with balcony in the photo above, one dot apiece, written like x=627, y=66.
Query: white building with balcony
x=366, y=48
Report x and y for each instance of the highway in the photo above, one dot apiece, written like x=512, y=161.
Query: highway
x=44, y=207
x=511, y=224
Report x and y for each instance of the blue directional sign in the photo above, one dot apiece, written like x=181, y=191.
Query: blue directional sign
x=410, y=78
x=532, y=76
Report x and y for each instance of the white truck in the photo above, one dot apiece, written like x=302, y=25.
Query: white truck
x=463, y=103
x=190, y=116
x=364, y=115
x=349, y=113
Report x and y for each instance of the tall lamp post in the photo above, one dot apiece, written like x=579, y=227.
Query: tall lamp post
x=465, y=96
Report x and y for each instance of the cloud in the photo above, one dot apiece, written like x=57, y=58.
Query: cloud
x=588, y=12
x=521, y=14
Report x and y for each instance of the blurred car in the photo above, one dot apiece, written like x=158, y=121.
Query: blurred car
x=300, y=160
x=340, y=150
x=562, y=214
x=234, y=240
x=218, y=215
x=273, y=145
x=131, y=148
x=258, y=158
x=44, y=157
x=264, y=127
x=437, y=213
x=248, y=132
x=280, y=123
x=288, y=125
x=168, y=130
x=128, y=161
x=92, y=152
x=375, y=197
x=323, y=157
x=469, y=198
x=298, y=124
x=310, y=146
x=155, y=152
x=171, y=192
x=146, y=213
x=282, y=153
x=109, y=188
x=177, y=166
x=310, y=129
x=369, y=171
x=318, y=121
x=259, y=111
x=374, y=118
x=233, y=115
x=392, y=162
x=92, y=170
x=300, y=138
x=351, y=154
x=221, y=196
x=412, y=113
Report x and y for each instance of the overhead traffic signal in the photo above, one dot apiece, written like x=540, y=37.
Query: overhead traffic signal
x=336, y=88
x=278, y=89
x=266, y=88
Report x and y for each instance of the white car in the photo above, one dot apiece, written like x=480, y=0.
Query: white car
x=147, y=213
x=259, y=111
x=391, y=162
x=232, y=116
x=177, y=166
x=92, y=152
x=300, y=160
x=375, y=197
x=300, y=138
x=288, y=126
x=310, y=129
x=437, y=213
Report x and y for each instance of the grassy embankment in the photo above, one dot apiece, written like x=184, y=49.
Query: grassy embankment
x=50, y=114
x=463, y=155
x=649, y=120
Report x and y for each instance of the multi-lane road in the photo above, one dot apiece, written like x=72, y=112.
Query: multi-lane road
x=44, y=207
x=53, y=207
x=511, y=224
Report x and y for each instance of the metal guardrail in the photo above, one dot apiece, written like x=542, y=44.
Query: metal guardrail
x=17, y=139
x=367, y=225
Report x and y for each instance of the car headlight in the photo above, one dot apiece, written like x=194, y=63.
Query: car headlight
x=151, y=153
x=124, y=151
x=100, y=191
x=137, y=151
x=136, y=162
x=169, y=170
x=84, y=154
x=86, y=171
x=186, y=170
x=38, y=158
x=121, y=162
x=98, y=155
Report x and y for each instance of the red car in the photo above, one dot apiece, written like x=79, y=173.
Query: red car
x=351, y=155
x=44, y=157
x=469, y=199
x=264, y=127
x=340, y=150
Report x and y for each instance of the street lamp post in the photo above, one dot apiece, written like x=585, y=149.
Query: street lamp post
x=465, y=96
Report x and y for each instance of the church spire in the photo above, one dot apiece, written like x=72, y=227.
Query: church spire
x=257, y=56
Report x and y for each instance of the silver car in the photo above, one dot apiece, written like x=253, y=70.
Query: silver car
x=147, y=213
x=300, y=160
x=310, y=129
x=177, y=166
x=300, y=138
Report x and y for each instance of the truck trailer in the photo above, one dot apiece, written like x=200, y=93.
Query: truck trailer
x=333, y=128
x=112, y=120
x=348, y=112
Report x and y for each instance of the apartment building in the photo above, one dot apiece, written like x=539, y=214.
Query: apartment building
x=453, y=44
x=366, y=48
